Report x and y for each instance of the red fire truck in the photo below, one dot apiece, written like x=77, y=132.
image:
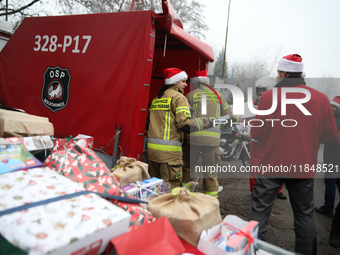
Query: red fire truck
x=95, y=74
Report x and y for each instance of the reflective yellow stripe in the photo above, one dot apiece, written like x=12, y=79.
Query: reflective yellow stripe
x=167, y=126
x=197, y=97
x=187, y=186
x=213, y=194
x=182, y=108
x=206, y=133
x=225, y=106
x=209, y=95
x=162, y=104
x=186, y=112
x=195, y=111
x=199, y=123
x=164, y=147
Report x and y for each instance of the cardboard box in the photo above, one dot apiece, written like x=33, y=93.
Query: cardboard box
x=14, y=156
x=145, y=188
x=80, y=225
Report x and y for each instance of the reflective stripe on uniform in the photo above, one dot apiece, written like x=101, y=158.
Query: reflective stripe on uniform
x=213, y=193
x=162, y=104
x=167, y=126
x=225, y=106
x=199, y=123
x=186, y=185
x=184, y=109
x=218, y=111
x=206, y=134
x=164, y=142
x=197, y=97
x=164, y=145
x=195, y=111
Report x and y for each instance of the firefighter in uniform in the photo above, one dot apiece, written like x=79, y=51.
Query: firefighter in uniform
x=205, y=141
x=169, y=118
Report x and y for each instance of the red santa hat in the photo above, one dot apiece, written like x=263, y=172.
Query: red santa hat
x=201, y=77
x=291, y=64
x=336, y=101
x=173, y=75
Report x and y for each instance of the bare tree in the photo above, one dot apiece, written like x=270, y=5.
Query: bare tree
x=16, y=10
x=190, y=11
x=218, y=66
x=327, y=85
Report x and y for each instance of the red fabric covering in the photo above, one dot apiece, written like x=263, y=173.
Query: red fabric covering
x=114, y=63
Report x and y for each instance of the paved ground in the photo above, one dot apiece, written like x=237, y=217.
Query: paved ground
x=236, y=199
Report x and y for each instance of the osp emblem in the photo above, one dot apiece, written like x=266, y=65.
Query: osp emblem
x=55, y=90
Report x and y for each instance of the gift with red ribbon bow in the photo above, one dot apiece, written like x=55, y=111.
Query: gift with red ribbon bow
x=232, y=236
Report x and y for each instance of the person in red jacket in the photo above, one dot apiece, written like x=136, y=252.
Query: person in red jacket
x=289, y=140
x=261, y=86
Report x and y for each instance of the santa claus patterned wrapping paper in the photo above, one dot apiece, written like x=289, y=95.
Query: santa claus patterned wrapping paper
x=49, y=227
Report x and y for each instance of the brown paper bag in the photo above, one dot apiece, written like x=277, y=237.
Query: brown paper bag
x=20, y=124
x=188, y=213
x=129, y=170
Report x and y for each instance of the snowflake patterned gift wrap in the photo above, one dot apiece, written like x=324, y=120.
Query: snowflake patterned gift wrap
x=82, y=224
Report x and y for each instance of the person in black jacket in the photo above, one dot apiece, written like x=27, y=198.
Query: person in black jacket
x=331, y=157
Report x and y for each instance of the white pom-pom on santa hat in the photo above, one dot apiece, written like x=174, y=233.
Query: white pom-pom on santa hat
x=173, y=75
x=291, y=64
x=336, y=101
x=201, y=77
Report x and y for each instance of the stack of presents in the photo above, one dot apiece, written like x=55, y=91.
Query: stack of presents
x=58, y=197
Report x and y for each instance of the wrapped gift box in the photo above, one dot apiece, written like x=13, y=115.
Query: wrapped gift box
x=32, y=143
x=14, y=156
x=15, y=123
x=218, y=240
x=39, y=146
x=80, y=225
x=145, y=188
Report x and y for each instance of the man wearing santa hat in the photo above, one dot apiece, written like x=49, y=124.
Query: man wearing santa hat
x=169, y=117
x=293, y=148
